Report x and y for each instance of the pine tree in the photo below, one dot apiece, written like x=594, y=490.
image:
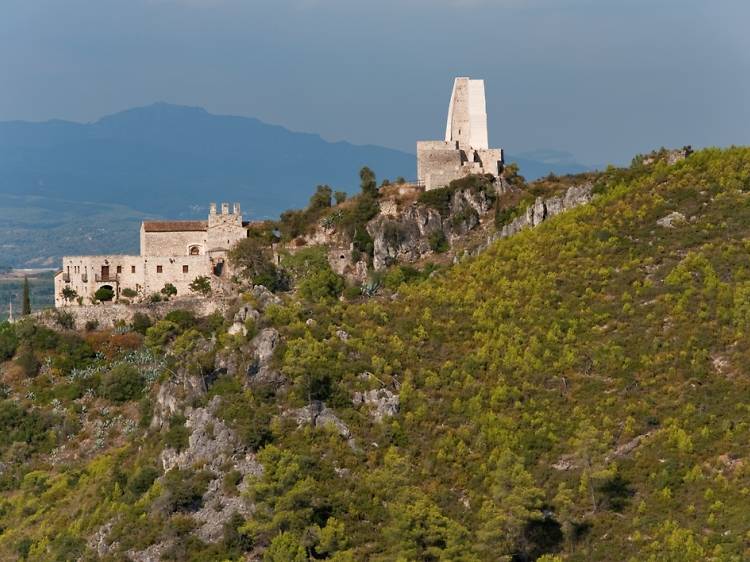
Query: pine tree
x=26, y=306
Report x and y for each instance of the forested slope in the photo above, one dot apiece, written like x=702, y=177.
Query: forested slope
x=579, y=390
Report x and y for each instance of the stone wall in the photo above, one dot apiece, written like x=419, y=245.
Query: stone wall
x=172, y=243
x=110, y=314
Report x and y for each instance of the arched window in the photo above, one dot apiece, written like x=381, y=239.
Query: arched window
x=195, y=250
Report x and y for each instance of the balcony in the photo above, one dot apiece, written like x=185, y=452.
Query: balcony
x=66, y=277
x=85, y=277
x=106, y=278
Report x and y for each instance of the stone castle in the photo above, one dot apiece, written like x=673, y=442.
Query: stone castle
x=175, y=252
x=465, y=149
x=178, y=252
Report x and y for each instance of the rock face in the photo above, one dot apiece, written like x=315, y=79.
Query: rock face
x=382, y=402
x=671, y=220
x=406, y=236
x=317, y=414
x=213, y=446
x=542, y=210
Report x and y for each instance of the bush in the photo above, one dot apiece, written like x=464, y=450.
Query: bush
x=321, y=285
x=184, y=489
x=352, y=292
x=438, y=242
x=169, y=290
x=177, y=436
x=201, y=285
x=65, y=319
x=253, y=261
x=160, y=334
x=142, y=480
x=91, y=325
x=141, y=323
x=122, y=383
x=155, y=297
x=8, y=341
x=69, y=294
x=129, y=293
x=340, y=197
x=28, y=362
x=183, y=318
x=104, y=294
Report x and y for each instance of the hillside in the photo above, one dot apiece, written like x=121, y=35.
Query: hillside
x=74, y=188
x=577, y=391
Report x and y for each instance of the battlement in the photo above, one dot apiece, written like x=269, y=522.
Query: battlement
x=225, y=209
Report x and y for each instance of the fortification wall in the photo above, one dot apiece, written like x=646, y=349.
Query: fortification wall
x=180, y=271
x=111, y=314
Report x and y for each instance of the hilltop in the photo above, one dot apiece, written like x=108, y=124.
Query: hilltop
x=573, y=391
x=82, y=188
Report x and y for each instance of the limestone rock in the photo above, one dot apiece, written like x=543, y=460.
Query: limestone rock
x=317, y=414
x=260, y=369
x=264, y=297
x=671, y=220
x=382, y=402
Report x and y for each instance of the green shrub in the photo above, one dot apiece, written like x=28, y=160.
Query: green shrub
x=160, y=334
x=129, y=293
x=122, y=383
x=65, y=319
x=184, y=489
x=142, y=480
x=104, y=294
x=169, y=290
x=8, y=341
x=438, y=242
x=352, y=292
x=141, y=323
x=201, y=285
x=69, y=294
x=91, y=325
x=322, y=285
x=183, y=318
x=178, y=435
x=340, y=197
x=28, y=362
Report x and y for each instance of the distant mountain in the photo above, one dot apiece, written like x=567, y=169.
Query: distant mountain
x=73, y=188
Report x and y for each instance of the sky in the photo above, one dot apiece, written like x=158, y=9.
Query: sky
x=602, y=79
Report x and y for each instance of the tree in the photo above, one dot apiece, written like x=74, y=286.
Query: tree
x=340, y=197
x=26, y=307
x=104, y=294
x=122, y=383
x=368, y=183
x=252, y=260
x=321, y=199
x=169, y=290
x=201, y=285
x=69, y=294
x=285, y=548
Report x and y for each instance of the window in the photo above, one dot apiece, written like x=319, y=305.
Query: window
x=132, y=269
x=184, y=269
x=159, y=269
x=119, y=269
x=195, y=250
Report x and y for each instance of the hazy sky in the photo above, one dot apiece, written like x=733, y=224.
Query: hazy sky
x=603, y=79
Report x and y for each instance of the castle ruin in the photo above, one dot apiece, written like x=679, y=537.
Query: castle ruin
x=174, y=252
x=465, y=149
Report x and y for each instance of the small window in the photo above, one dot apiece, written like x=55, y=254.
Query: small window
x=184, y=269
x=119, y=269
x=132, y=269
x=195, y=251
x=159, y=269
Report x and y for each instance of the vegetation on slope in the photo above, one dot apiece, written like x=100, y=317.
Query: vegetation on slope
x=578, y=391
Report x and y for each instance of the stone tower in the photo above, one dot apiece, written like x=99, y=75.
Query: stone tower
x=467, y=114
x=465, y=149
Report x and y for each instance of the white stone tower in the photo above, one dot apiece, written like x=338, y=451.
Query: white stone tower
x=467, y=114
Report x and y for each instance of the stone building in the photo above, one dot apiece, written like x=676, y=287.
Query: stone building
x=173, y=252
x=465, y=149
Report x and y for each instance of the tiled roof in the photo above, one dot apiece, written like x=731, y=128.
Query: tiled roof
x=175, y=226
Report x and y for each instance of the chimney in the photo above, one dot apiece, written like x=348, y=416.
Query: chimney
x=212, y=208
x=225, y=208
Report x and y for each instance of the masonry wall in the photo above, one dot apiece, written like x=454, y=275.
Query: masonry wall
x=172, y=243
x=157, y=271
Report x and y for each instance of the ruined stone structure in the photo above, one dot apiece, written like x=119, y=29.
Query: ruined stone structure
x=465, y=149
x=173, y=252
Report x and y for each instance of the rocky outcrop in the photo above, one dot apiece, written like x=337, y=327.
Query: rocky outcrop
x=215, y=447
x=540, y=211
x=671, y=220
x=381, y=402
x=317, y=414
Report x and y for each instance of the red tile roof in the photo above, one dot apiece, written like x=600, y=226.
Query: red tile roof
x=175, y=226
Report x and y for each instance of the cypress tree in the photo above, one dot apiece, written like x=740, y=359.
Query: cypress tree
x=26, y=307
